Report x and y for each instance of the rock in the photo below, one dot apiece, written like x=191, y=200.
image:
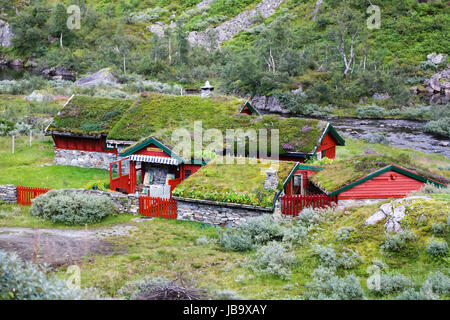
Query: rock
x=445, y=143
x=16, y=63
x=157, y=28
x=6, y=34
x=298, y=90
x=381, y=96
x=39, y=96
x=393, y=213
x=103, y=76
x=226, y=30
x=437, y=58
x=58, y=73
x=269, y=104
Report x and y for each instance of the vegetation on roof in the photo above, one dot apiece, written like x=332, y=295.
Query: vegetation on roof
x=344, y=171
x=90, y=115
x=235, y=182
x=159, y=115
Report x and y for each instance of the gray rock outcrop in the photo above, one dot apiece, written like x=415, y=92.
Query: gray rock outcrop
x=438, y=87
x=103, y=76
x=271, y=181
x=392, y=213
x=226, y=30
x=58, y=73
x=6, y=34
x=269, y=104
x=39, y=96
x=436, y=58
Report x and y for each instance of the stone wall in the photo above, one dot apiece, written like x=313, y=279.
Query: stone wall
x=8, y=193
x=215, y=213
x=84, y=159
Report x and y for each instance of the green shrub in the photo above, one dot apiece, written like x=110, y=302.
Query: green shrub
x=398, y=242
x=26, y=281
x=235, y=240
x=411, y=294
x=344, y=233
x=377, y=137
x=273, y=259
x=72, y=208
x=295, y=234
x=310, y=217
x=371, y=111
x=133, y=289
x=439, y=229
x=326, y=285
x=346, y=259
x=438, y=282
x=440, y=127
x=226, y=295
x=437, y=248
x=391, y=283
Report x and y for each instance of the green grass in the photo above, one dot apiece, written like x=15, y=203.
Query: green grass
x=168, y=248
x=15, y=107
x=220, y=181
x=19, y=216
x=32, y=167
x=90, y=115
x=160, y=115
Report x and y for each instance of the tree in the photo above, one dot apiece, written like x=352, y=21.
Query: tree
x=346, y=33
x=58, y=23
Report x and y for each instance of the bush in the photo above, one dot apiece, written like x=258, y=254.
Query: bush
x=411, y=294
x=391, y=283
x=437, y=248
x=226, y=295
x=439, y=229
x=440, y=127
x=377, y=137
x=344, y=233
x=347, y=259
x=204, y=240
x=72, y=208
x=273, y=259
x=431, y=189
x=325, y=285
x=438, y=282
x=132, y=289
x=310, y=217
x=398, y=242
x=235, y=240
x=25, y=281
x=371, y=111
x=295, y=234
x=255, y=231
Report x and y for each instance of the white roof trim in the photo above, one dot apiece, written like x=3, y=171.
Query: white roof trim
x=154, y=159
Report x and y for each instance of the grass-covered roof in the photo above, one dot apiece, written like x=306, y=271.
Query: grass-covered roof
x=158, y=115
x=345, y=171
x=230, y=180
x=89, y=115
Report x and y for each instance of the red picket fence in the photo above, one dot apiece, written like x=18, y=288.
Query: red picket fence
x=293, y=205
x=158, y=207
x=26, y=194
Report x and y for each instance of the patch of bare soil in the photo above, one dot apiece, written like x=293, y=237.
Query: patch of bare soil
x=58, y=247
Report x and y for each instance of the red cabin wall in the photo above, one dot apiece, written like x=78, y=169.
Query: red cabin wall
x=192, y=167
x=82, y=144
x=383, y=186
x=329, y=145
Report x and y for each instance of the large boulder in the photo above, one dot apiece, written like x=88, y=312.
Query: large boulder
x=6, y=34
x=436, y=58
x=438, y=86
x=39, y=96
x=103, y=76
x=268, y=104
x=392, y=213
x=58, y=73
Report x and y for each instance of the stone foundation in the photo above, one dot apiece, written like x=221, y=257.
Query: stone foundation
x=8, y=193
x=347, y=203
x=84, y=159
x=215, y=213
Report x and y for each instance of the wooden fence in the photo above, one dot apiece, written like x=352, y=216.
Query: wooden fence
x=157, y=207
x=293, y=205
x=26, y=194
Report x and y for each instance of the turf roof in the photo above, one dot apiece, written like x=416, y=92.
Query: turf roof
x=158, y=115
x=345, y=171
x=228, y=180
x=89, y=115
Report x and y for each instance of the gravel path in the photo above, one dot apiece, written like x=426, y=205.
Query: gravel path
x=60, y=246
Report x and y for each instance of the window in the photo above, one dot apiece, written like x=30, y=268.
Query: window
x=187, y=173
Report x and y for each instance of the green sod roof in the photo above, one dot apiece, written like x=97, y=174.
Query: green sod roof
x=344, y=172
x=159, y=115
x=228, y=180
x=89, y=115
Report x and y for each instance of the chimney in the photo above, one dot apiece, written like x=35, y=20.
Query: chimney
x=271, y=181
x=206, y=90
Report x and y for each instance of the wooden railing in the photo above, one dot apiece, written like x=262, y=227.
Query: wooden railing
x=157, y=207
x=26, y=194
x=293, y=205
x=174, y=183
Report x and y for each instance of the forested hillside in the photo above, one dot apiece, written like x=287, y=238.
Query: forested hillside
x=311, y=54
